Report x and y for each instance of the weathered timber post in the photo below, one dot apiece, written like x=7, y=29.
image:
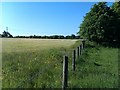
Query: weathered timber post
x=80, y=49
x=65, y=72
x=78, y=52
x=73, y=61
x=83, y=44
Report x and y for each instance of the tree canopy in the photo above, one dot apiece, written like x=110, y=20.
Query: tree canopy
x=6, y=34
x=101, y=23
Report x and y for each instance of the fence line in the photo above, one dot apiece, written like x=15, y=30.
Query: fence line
x=75, y=55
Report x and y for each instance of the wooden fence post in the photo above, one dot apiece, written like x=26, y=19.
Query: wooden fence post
x=80, y=49
x=78, y=52
x=83, y=44
x=65, y=72
x=73, y=61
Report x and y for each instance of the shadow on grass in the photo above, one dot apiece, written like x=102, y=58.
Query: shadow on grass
x=111, y=44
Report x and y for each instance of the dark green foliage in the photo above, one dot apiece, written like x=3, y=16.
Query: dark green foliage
x=72, y=36
x=116, y=9
x=101, y=24
x=6, y=34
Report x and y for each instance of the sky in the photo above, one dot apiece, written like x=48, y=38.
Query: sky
x=43, y=18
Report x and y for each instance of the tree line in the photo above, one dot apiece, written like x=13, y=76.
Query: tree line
x=6, y=34
x=102, y=23
x=72, y=36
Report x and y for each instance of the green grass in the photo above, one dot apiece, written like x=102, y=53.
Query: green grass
x=41, y=59
x=38, y=64
x=90, y=75
x=22, y=66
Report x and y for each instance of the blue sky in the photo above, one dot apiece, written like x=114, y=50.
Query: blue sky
x=43, y=18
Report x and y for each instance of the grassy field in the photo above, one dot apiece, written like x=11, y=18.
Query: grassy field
x=28, y=45
x=37, y=63
x=39, y=59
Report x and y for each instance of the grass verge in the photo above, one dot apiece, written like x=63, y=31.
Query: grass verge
x=96, y=68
